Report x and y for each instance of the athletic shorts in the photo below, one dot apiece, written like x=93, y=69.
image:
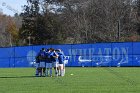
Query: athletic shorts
x=61, y=65
x=48, y=65
x=55, y=64
x=42, y=64
x=37, y=65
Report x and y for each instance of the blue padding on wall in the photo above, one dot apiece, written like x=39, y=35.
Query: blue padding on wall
x=7, y=52
x=121, y=48
x=30, y=60
x=81, y=49
x=122, y=60
x=74, y=61
x=21, y=62
x=84, y=61
x=136, y=48
x=99, y=54
x=23, y=51
x=101, y=48
x=136, y=60
x=101, y=60
x=4, y=62
x=12, y=62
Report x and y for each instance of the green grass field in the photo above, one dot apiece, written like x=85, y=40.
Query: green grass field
x=84, y=80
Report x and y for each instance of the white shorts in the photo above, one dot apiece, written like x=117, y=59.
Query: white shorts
x=37, y=65
x=61, y=66
x=42, y=64
x=55, y=64
x=48, y=65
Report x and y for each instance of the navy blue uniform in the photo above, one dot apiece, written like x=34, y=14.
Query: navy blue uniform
x=48, y=57
x=42, y=58
x=53, y=57
x=61, y=58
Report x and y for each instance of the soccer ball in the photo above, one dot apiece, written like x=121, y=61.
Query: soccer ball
x=71, y=74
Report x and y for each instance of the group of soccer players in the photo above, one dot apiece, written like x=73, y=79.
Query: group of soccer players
x=47, y=59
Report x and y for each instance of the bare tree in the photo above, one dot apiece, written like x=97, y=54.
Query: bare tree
x=98, y=20
x=4, y=35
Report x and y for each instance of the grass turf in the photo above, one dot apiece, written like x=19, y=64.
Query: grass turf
x=83, y=80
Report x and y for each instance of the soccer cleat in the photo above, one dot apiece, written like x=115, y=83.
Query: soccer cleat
x=36, y=75
x=44, y=74
x=40, y=75
x=47, y=75
x=56, y=75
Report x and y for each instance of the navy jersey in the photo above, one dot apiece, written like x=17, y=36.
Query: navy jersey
x=37, y=59
x=61, y=58
x=42, y=56
x=54, y=57
x=48, y=57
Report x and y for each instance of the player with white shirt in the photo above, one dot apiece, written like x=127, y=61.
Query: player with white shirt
x=61, y=58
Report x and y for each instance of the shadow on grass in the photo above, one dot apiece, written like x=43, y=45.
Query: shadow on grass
x=120, y=76
x=17, y=77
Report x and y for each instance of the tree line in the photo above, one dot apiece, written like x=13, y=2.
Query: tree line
x=72, y=22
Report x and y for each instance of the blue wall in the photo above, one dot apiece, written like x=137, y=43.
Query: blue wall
x=99, y=54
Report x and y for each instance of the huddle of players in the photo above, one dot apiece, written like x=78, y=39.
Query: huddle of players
x=47, y=59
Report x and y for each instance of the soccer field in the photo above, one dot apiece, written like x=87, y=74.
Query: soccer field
x=83, y=80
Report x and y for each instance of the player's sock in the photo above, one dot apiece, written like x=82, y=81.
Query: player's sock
x=62, y=72
x=56, y=72
x=51, y=72
x=44, y=71
x=59, y=72
x=36, y=72
x=41, y=72
x=47, y=72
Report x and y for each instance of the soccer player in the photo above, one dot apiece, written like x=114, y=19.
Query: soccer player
x=37, y=65
x=61, y=62
x=54, y=59
x=42, y=58
x=64, y=61
x=48, y=64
